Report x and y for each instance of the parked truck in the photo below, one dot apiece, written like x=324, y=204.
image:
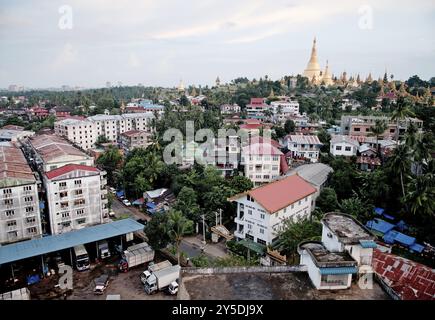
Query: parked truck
x=136, y=255
x=153, y=267
x=103, y=249
x=81, y=258
x=163, y=279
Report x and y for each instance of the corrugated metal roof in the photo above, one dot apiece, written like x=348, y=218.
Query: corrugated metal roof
x=368, y=244
x=339, y=270
x=36, y=247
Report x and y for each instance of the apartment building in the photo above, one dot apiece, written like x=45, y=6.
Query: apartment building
x=76, y=196
x=261, y=162
x=283, y=110
x=255, y=109
x=19, y=202
x=134, y=139
x=341, y=145
x=303, y=147
x=85, y=133
x=360, y=125
x=50, y=152
x=261, y=211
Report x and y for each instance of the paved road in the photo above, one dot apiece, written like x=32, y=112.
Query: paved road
x=121, y=210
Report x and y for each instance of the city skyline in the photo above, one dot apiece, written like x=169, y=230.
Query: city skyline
x=87, y=44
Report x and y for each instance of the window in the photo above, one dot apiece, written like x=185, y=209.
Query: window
x=338, y=148
x=275, y=158
x=77, y=182
x=9, y=202
x=261, y=230
x=79, y=192
x=262, y=216
x=62, y=184
x=12, y=223
x=348, y=148
x=306, y=199
x=299, y=203
x=32, y=230
x=261, y=241
x=249, y=212
x=80, y=212
x=63, y=194
x=27, y=188
x=31, y=220
x=29, y=209
x=10, y=213
x=249, y=226
x=65, y=214
x=28, y=199
x=392, y=130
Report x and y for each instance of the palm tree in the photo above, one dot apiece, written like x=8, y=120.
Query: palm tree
x=377, y=130
x=400, y=163
x=178, y=226
x=421, y=194
x=401, y=111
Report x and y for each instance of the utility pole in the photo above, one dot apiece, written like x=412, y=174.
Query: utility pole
x=203, y=229
x=220, y=216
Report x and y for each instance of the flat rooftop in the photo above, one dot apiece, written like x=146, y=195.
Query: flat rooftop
x=323, y=258
x=249, y=284
x=346, y=228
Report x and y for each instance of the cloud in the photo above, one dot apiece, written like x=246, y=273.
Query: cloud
x=133, y=60
x=66, y=57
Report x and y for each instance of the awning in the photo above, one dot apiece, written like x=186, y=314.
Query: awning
x=338, y=270
x=139, y=201
x=368, y=244
x=251, y=245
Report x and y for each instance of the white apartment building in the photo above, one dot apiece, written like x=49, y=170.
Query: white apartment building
x=85, y=133
x=303, y=146
x=283, y=110
x=19, y=203
x=262, y=162
x=50, y=152
x=76, y=196
x=341, y=145
x=261, y=211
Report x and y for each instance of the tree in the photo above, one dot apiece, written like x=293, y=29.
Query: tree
x=289, y=126
x=240, y=184
x=400, y=164
x=377, y=130
x=178, y=226
x=101, y=139
x=401, y=111
x=356, y=207
x=156, y=231
x=421, y=195
x=110, y=161
x=327, y=200
x=292, y=233
x=187, y=203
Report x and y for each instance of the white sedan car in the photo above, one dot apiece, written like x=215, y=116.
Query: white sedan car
x=126, y=202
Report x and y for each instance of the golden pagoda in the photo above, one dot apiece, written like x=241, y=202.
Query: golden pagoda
x=272, y=94
x=327, y=77
x=180, y=87
x=369, y=78
x=218, y=82
x=193, y=93
x=313, y=68
x=122, y=107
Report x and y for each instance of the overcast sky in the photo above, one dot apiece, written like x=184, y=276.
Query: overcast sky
x=157, y=43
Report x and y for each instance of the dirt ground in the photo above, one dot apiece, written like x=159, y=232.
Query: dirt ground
x=127, y=285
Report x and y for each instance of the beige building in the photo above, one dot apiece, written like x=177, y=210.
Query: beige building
x=76, y=196
x=85, y=133
x=134, y=139
x=50, y=152
x=19, y=203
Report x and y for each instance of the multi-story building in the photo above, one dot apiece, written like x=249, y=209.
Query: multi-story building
x=255, y=109
x=230, y=108
x=261, y=162
x=341, y=145
x=50, y=152
x=76, y=196
x=303, y=147
x=283, y=110
x=134, y=139
x=85, y=133
x=261, y=211
x=360, y=125
x=19, y=202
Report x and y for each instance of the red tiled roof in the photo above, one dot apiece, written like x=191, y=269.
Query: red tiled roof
x=280, y=194
x=408, y=279
x=68, y=168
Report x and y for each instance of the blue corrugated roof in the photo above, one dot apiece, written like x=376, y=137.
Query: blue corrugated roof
x=338, y=270
x=417, y=247
x=379, y=225
x=368, y=244
x=36, y=247
x=379, y=211
x=399, y=237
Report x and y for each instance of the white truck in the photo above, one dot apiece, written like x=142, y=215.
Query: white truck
x=103, y=249
x=163, y=279
x=153, y=267
x=136, y=255
x=81, y=258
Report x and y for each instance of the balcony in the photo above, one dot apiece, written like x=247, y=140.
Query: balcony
x=63, y=187
x=239, y=233
x=239, y=220
x=6, y=196
x=12, y=228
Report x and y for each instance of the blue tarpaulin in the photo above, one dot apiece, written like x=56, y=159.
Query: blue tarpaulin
x=368, y=244
x=387, y=216
x=417, y=248
x=33, y=279
x=379, y=225
x=41, y=205
x=120, y=193
x=338, y=270
x=379, y=211
x=396, y=236
x=401, y=225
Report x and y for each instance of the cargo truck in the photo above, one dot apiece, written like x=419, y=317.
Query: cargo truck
x=103, y=249
x=153, y=267
x=163, y=279
x=136, y=255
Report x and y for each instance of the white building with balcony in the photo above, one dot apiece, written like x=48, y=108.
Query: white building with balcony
x=283, y=110
x=19, y=202
x=303, y=146
x=261, y=211
x=76, y=196
x=262, y=162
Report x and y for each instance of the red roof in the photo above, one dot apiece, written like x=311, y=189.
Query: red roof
x=257, y=101
x=280, y=194
x=250, y=126
x=408, y=279
x=68, y=168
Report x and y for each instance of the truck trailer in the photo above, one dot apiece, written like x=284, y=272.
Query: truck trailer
x=136, y=255
x=153, y=267
x=163, y=279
